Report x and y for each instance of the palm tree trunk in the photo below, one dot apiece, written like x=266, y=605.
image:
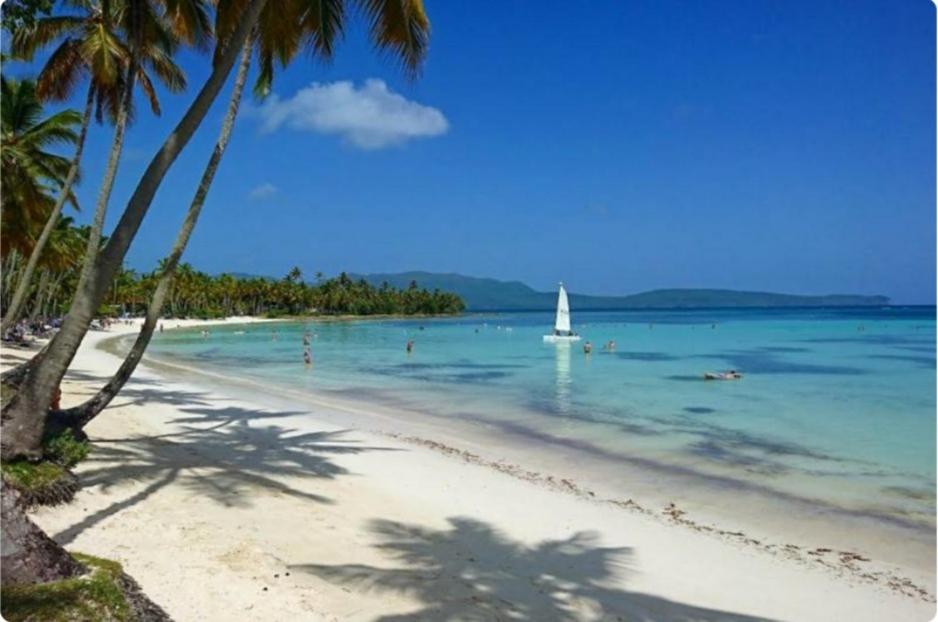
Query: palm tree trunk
x=93, y=248
x=79, y=416
x=24, y=416
x=19, y=296
x=28, y=555
x=41, y=289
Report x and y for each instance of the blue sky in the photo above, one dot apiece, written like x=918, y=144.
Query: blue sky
x=621, y=146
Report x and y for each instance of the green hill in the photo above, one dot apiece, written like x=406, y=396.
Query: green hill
x=491, y=294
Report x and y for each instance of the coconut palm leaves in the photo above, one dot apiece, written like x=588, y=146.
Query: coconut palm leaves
x=399, y=28
x=30, y=172
x=99, y=42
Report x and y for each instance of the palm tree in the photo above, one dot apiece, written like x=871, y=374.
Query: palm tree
x=25, y=414
x=89, y=43
x=29, y=171
x=401, y=26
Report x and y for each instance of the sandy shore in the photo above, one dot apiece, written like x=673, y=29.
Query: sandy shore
x=225, y=508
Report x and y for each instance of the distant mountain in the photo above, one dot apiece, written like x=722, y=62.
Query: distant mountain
x=494, y=295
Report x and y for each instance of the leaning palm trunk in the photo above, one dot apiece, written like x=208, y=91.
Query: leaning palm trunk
x=79, y=416
x=19, y=296
x=96, y=233
x=25, y=416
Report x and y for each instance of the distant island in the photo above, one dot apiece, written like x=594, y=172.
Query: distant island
x=481, y=294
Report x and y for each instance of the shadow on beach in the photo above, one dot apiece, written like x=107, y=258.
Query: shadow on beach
x=470, y=571
x=220, y=453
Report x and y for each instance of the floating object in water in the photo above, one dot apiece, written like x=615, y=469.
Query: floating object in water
x=562, y=332
x=723, y=375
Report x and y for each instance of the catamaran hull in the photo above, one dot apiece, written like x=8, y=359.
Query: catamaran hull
x=560, y=338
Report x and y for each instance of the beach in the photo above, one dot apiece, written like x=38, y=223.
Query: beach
x=224, y=503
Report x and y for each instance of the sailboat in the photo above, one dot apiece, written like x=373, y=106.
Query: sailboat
x=562, y=332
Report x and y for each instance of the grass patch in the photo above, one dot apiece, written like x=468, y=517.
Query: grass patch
x=48, y=482
x=94, y=597
x=28, y=476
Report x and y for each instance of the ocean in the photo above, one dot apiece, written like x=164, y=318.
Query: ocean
x=835, y=406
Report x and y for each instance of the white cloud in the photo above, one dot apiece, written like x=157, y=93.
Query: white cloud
x=264, y=191
x=370, y=116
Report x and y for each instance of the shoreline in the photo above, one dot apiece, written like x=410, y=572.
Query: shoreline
x=902, y=550
x=678, y=563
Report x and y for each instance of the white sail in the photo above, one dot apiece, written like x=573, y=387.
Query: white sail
x=562, y=324
x=562, y=332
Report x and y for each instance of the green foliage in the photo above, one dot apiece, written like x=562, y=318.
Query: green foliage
x=95, y=597
x=48, y=482
x=65, y=450
x=28, y=476
x=19, y=14
x=199, y=295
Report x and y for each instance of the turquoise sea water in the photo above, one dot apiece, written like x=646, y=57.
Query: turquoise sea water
x=835, y=405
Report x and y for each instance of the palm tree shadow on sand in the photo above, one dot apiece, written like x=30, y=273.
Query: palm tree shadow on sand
x=217, y=453
x=472, y=572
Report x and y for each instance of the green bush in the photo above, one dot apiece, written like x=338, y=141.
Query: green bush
x=65, y=449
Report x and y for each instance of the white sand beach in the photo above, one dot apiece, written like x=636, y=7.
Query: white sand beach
x=226, y=508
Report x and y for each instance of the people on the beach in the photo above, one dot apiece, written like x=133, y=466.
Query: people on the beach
x=161, y=326
x=410, y=346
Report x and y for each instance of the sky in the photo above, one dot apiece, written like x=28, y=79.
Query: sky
x=619, y=146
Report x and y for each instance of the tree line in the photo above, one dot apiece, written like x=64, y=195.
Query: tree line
x=195, y=294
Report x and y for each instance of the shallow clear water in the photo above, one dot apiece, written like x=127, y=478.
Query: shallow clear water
x=835, y=405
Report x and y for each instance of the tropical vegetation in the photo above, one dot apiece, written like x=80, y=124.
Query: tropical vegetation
x=114, y=49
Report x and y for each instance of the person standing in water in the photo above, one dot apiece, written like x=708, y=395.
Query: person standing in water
x=307, y=356
x=587, y=348
x=410, y=346
x=306, y=338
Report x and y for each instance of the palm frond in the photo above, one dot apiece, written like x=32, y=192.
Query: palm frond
x=147, y=87
x=324, y=23
x=165, y=69
x=62, y=71
x=190, y=21
x=400, y=28
x=56, y=129
x=26, y=41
